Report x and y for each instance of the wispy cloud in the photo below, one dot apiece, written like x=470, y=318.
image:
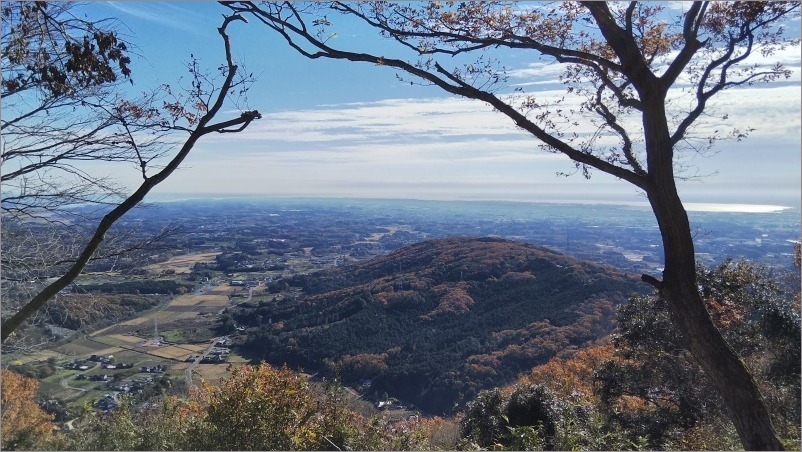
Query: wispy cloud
x=541, y=72
x=164, y=14
x=392, y=120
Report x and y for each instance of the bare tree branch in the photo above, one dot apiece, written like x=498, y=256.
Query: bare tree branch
x=12, y=323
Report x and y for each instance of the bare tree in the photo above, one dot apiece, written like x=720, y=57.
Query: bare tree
x=628, y=64
x=118, y=130
x=62, y=113
x=60, y=75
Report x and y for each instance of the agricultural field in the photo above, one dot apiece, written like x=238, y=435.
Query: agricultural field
x=165, y=335
x=213, y=373
x=215, y=297
x=185, y=328
x=181, y=264
x=39, y=355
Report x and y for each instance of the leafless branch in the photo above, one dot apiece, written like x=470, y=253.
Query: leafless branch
x=11, y=324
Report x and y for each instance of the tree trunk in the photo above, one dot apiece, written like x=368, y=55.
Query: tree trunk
x=679, y=288
x=719, y=361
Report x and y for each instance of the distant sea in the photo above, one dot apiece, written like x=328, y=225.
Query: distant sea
x=689, y=206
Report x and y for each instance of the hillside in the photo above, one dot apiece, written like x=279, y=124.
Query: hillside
x=435, y=322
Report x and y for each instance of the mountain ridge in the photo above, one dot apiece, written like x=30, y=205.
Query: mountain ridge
x=437, y=321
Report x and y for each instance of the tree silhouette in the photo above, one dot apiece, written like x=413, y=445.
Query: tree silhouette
x=627, y=64
x=193, y=114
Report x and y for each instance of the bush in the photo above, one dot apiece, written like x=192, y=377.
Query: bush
x=24, y=424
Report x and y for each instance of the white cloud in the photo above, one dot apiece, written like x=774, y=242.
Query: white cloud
x=541, y=72
x=428, y=142
x=165, y=14
x=444, y=148
x=392, y=119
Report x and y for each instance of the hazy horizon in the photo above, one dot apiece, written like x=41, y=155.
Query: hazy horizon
x=342, y=129
x=689, y=206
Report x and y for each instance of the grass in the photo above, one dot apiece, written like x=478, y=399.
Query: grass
x=81, y=348
x=41, y=355
x=188, y=335
x=119, y=340
x=212, y=373
x=171, y=352
x=200, y=300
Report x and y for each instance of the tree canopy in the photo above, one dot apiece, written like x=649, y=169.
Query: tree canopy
x=24, y=424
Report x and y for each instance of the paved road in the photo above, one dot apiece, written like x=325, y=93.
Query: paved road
x=198, y=360
x=214, y=341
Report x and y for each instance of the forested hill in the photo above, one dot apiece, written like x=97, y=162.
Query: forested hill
x=435, y=322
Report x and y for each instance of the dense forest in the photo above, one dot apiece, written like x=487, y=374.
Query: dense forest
x=643, y=390
x=435, y=322
x=640, y=390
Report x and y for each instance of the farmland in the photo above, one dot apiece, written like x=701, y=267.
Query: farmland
x=162, y=338
x=181, y=264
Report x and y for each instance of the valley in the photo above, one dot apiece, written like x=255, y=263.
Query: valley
x=421, y=303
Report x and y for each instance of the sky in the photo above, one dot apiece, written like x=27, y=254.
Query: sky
x=342, y=129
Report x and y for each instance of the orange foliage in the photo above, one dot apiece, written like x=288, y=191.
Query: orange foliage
x=401, y=297
x=456, y=300
x=364, y=365
x=518, y=276
x=572, y=376
x=24, y=423
x=442, y=434
x=259, y=407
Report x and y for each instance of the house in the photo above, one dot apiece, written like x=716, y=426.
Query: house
x=153, y=370
x=106, y=403
x=78, y=364
x=102, y=359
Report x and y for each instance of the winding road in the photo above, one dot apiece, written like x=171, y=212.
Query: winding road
x=65, y=383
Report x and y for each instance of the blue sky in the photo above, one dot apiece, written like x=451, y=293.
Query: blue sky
x=341, y=129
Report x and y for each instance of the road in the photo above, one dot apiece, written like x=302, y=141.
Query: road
x=199, y=359
x=65, y=383
x=214, y=341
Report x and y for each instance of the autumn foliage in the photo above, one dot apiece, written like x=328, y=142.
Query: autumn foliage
x=643, y=389
x=258, y=408
x=24, y=424
x=261, y=408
